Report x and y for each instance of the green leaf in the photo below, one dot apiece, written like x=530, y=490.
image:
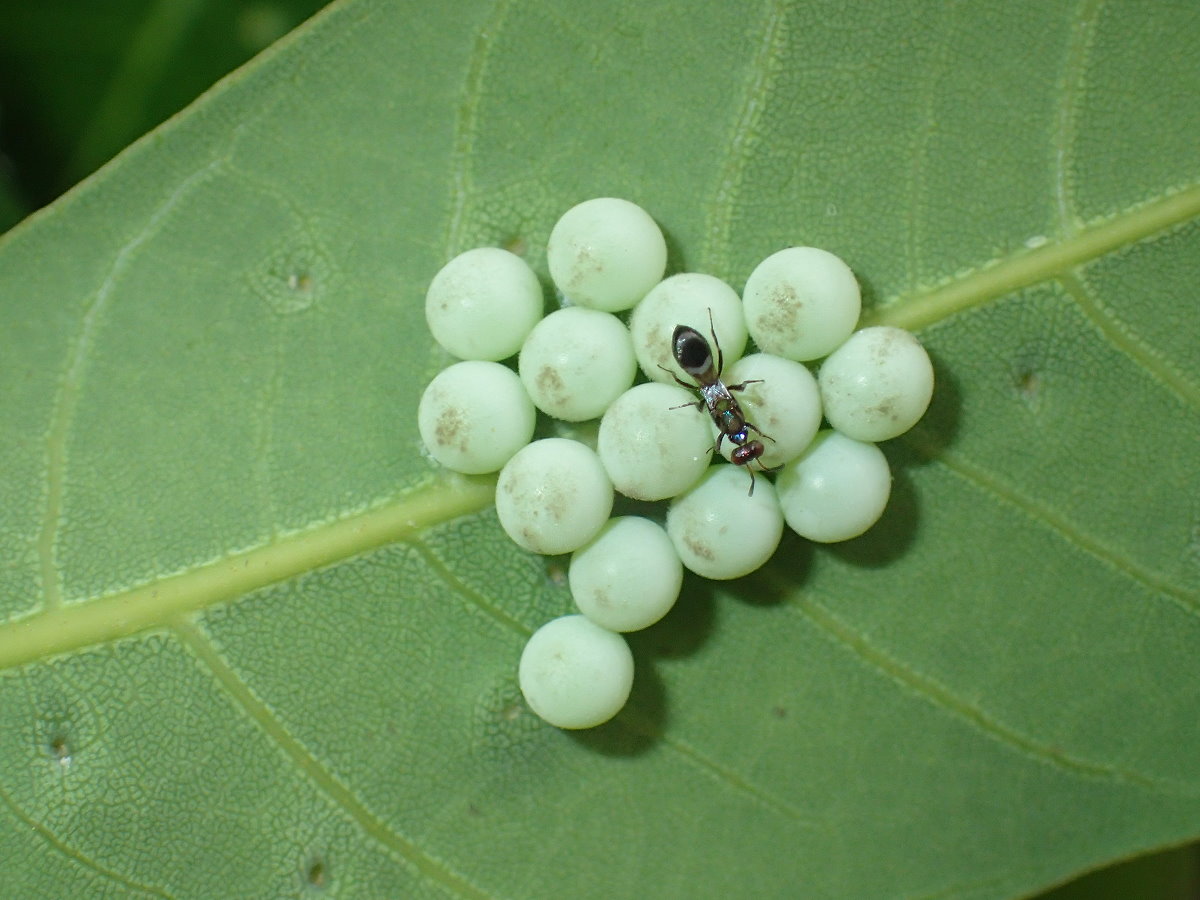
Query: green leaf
x=257, y=645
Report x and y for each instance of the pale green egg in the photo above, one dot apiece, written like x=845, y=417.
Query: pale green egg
x=836, y=490
x=576, y=362
x=483, y=304
x=721, y=532
x=575, y=674
x=653, y=441
x=553, y=496
x=606, y=253
x=474, y=416
x=628, y=576
x=801, y=303
x=877, y=385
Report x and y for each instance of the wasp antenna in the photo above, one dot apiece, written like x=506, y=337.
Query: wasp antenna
x=712, y=329
x=678, y=380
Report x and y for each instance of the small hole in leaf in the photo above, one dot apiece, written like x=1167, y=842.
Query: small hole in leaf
x=60, y=750
x=317, y=874
x=556, y=572
x=1029, y=383
x=294, y=277
x=300, y=282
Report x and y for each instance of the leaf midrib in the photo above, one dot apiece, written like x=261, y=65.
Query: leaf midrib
x=1027, y=267
x=88, y=622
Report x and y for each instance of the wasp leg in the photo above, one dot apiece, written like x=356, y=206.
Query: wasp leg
x=760, y=432
x=742, y=386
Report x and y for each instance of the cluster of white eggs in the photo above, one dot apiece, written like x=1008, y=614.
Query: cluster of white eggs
x=656, y=439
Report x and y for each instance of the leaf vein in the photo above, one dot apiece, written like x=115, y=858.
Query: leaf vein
x=466, y=123
x=931, y=76
x=318, y=775
x=1154, y=582
x=737, y=782
x=71, y=382
x=1121, y=336
x=629, y=720
x=944, y=699
x=446, y=574
x=75, y=855
x=764, y=67
x=1079, y=45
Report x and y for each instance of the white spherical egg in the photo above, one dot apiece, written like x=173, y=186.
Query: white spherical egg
x=483, y=304
x=576, y=362
x=721, y=532
x=553, y=496
x=687, y=299
x=606, y=254
x=877, y=385
x=653, y=441
x=836, y=490
x=801, y=303
x=474, y=416
x=575, y=674
x=628, y=576
x=781, y=399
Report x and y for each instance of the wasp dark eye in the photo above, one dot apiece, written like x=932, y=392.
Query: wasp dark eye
x=691, y=350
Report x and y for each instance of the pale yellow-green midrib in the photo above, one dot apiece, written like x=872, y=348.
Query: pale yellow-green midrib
x=1034, y=266
x=90, y=622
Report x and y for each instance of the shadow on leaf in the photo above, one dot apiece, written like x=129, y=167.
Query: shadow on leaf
x=679, y=634
x=938, y=428
x=889, y=538
x=783, y=573
x=640, y=725
x=675, y=258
